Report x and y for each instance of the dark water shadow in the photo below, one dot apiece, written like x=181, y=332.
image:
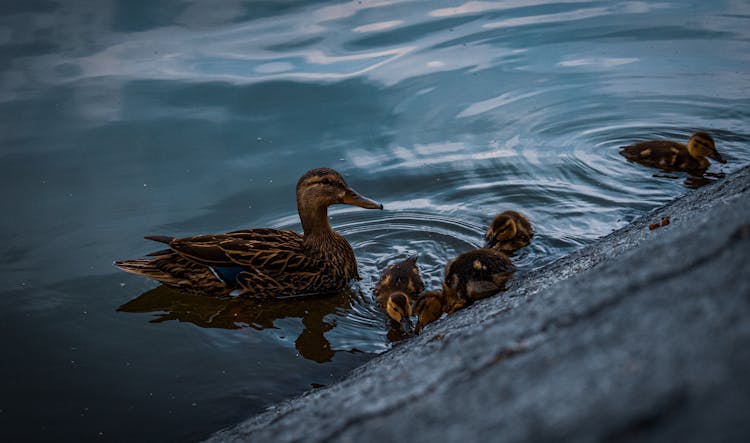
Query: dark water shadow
x=692, y=180
x=238, y=313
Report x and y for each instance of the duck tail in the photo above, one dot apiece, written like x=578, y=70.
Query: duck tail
x=146, y=268
x=160, y=238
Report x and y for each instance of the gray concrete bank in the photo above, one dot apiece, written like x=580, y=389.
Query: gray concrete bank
x=643, y=336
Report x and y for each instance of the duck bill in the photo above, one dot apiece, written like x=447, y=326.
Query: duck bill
x=716, y=156
x=351, y=197
x=489, y=242
x=407, y=324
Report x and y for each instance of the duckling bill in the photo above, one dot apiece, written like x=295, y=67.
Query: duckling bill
x=398, y=285
x=265, y=262
x=673, y=156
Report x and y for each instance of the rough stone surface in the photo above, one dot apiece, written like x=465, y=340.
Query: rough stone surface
x=644, y=335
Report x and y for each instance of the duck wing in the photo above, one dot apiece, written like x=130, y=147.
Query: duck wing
x=256, y=249
x=660, y=153
x=263, y=262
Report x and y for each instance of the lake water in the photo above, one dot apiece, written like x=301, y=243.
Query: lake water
x=126, y=118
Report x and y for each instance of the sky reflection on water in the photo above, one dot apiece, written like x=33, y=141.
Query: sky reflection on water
x=120, y=119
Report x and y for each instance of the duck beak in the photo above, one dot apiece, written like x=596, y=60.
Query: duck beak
x=409, y=324
x=351, y=197
x=716, y=156
x=489, y=242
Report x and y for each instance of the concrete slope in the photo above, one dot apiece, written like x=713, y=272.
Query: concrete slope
x=644, y=335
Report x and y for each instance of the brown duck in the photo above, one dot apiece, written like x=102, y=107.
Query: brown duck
x=397, y=287
x=469, y=277
x=672, y=156
x=475, y=275
x=508, y=232
x=265, y=262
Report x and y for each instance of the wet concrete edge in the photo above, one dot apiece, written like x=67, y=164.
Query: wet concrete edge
x=643, y=335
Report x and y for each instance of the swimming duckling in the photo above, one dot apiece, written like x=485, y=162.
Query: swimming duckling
x=429, y=307
x=672, y=156
x=508, y=232
x=399, y=283
x=475, y=275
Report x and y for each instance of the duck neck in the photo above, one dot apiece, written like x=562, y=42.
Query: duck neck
x=695, y=152
x=315, y=223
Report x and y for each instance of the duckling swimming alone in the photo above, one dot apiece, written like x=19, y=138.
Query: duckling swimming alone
x=398, y=285
x=672, y=156
x=265, y=262
x=508, y=232
x=475, y=275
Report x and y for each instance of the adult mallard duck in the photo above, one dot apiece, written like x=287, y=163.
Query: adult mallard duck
x=475, y=275
x=672, y=156
x=508, y=232
x=265, y=262
x=397, y=287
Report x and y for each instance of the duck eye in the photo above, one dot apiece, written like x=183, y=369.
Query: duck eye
x=326, y=181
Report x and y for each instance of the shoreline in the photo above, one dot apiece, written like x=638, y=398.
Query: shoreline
x=644, y=334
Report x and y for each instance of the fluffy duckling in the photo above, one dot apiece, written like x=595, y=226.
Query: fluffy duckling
x=475, y=275
x=429, y=307
x=672, y=156
x=399, y=283
x=508, y=232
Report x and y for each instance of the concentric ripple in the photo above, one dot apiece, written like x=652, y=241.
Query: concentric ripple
x=180, y=118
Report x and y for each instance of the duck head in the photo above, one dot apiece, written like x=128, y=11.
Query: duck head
x=701, y=144
x=429, y=307
x=398, y=308
x=509, y=231
x=320, y=188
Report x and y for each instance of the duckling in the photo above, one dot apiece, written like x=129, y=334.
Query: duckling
x=508, y=232
x=397, y=286
x=475, y=275
x=265, y=262
x=429, y=307
x=672, y=156
x=398, y=307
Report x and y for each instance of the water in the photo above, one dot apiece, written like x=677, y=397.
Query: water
x=123, y=118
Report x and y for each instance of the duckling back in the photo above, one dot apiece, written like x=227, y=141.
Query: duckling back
x=672, y=156
x=400, y=277
x=475, y=275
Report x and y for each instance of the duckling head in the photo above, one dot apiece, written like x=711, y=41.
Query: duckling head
x=509, y=231
x=398, y=307
x=429, y=307
x=701, y=144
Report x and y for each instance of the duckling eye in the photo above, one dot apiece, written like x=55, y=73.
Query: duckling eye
x=326, y=181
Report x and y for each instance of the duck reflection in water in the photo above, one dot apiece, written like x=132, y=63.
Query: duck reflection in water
x=237, y=313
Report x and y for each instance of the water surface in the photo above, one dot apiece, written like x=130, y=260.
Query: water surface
x=121, y=119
